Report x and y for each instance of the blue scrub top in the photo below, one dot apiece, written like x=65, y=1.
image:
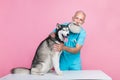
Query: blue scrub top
x=74, y=39
x=72, y=59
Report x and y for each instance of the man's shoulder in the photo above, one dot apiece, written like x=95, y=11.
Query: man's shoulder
x=83, y=30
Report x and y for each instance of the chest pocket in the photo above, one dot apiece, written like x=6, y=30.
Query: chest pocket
x=72, y=40
x=71, y=43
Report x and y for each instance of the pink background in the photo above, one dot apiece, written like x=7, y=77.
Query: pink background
x=25, y=23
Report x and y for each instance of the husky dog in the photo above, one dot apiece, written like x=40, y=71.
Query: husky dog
x=46, y=58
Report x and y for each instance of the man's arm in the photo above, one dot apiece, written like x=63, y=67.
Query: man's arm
x=59, y=47
x=72, y=50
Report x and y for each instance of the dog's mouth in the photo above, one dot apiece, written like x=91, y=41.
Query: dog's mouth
x=65, y=38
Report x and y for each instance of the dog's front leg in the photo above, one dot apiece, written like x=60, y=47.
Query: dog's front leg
x=55, y=60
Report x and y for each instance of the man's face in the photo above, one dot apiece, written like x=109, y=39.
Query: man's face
x=78, y=19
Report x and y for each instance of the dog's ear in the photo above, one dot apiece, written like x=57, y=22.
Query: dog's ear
x=58, y=25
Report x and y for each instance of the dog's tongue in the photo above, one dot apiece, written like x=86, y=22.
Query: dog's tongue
x=66, y=39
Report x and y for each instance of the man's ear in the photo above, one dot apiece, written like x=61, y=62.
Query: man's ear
x=58, y=25
x=73, y=18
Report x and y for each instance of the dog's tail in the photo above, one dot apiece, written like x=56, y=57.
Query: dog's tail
x=20, y=70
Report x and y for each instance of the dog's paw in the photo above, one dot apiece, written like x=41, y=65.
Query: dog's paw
x=59, y=73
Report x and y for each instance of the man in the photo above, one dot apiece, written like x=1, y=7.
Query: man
x=70, y=56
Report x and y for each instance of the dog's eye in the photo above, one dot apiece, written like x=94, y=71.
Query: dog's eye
x=67, y=28
x=64, y=29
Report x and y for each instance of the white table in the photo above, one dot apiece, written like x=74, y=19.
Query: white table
x=67, y=75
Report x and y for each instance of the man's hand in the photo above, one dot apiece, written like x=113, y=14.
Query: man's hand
x=58, y=47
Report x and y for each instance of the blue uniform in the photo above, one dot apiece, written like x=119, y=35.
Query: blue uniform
x=71, y=61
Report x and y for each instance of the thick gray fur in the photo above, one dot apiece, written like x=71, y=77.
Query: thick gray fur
x=45, y=56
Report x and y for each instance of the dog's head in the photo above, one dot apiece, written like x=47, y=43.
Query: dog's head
x=62, y=32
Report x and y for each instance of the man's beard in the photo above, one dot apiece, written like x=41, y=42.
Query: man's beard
x=74, y=28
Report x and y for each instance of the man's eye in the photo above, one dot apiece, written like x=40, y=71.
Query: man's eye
x=81, y=19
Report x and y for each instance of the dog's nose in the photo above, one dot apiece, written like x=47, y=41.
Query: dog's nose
x=67, y=34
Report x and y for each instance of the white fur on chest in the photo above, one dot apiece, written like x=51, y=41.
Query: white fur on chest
x=55, y=61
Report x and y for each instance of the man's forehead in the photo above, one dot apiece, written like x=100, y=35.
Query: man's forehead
x=79, y=14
